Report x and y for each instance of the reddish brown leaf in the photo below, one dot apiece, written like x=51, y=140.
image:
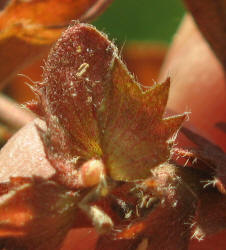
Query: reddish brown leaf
x=214, y=158
x=104, y=113
x=29, y=207
x=211, y=19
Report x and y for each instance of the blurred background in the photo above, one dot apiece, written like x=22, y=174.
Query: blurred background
x=133, y=20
